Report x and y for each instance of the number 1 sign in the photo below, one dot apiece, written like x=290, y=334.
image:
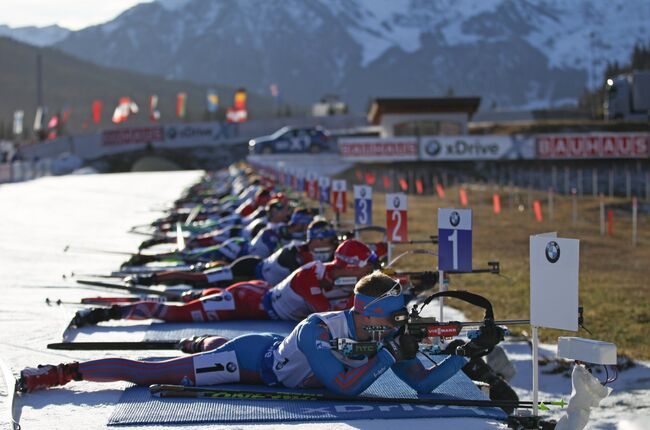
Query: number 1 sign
x=362, y=205
x=339, y=198
x=396, y=220
x=455, y=240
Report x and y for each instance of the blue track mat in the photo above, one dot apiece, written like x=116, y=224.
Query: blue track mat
x=229, y=329
x=138, y=407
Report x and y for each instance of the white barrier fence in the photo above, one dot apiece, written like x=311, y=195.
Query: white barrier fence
x=558, y=146
x=19, y=171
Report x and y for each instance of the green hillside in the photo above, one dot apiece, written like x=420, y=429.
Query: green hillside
x=68, y=81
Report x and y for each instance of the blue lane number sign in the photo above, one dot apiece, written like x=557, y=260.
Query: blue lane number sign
x=363, y=205
x=324, y=189
x=396, y=218
x=455, y=240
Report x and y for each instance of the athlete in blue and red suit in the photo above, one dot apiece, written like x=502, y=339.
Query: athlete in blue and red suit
x=310, y=356
x=314, y=287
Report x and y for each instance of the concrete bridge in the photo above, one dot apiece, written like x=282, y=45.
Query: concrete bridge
x=189, y=145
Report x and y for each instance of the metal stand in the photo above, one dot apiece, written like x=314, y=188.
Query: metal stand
x=535, y=371
x=443, y=287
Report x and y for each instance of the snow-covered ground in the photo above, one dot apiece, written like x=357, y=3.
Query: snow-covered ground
x=39, y=218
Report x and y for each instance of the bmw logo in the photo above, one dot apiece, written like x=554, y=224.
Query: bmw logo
x=363, y=192
x=552, y=251
x=231, y=367
x=454, y=218
x=171, y=133
x=396, y=202
x=433, y=148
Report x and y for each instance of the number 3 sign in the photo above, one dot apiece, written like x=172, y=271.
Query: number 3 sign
x=339, y=198
x=455, y=240
x=396, y=222
x=362, y=205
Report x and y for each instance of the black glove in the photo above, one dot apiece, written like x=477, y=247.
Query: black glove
x=488, y=337
x=147, y=280
x=403, y=347
x=424, y=280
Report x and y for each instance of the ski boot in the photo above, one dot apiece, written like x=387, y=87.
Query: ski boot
x=92, y=316
x=143, y=279
x=138, y=259
x=152, y=242
x=45, y=376
x=500, y=390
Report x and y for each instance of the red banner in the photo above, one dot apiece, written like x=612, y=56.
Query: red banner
x=440, y=190
x=463, y=196
x=594, y=145
x=496, y=203
x=181, y=103
x=369, y=149
x=370, y=178
x=97, y=111
x=133, y=135
x=419, y=186
x=537, y=208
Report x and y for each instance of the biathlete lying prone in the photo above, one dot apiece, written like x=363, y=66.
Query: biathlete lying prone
x=311, y=288
x=307, y=357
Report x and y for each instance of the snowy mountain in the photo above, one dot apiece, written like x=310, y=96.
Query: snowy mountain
x=511, y=52
x=37, y=36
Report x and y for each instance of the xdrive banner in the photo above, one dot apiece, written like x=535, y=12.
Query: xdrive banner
x=477, y=147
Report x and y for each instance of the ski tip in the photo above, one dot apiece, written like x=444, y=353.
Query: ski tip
x=67, y=247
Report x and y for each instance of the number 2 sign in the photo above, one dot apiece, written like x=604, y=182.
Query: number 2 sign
x=396, y=221
x=362, y=205
x=455, y=240
x=339, y=198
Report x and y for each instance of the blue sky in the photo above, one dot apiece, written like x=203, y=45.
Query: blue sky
x=73, y=14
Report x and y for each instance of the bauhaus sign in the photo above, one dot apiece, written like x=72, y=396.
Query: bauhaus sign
x=593, y=145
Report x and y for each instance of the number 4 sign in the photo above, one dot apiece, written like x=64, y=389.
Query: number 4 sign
x=396, y=220
x=362, y=205
x=455, y=240
x=339, y=198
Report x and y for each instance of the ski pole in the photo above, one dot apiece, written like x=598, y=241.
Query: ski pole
x=161, y=390
x=84, y=249
x=115, y=346
x=133, y=289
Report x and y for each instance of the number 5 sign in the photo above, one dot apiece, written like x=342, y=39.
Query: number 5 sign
x=396, y=222
x=324, y=189
x=362, y=205
x=455, y=240
x=339, y=198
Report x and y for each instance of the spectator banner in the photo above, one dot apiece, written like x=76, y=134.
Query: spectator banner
x=379, y=149
x=476, y=147
x=593, y=145
x=125, y=136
